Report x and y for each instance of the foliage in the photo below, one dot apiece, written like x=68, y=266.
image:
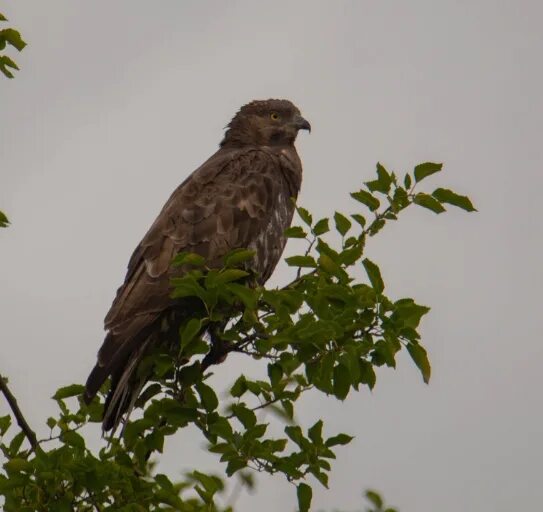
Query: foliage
x=4, y=222
x=9, y=36
x=377, y=503
x=326, y=332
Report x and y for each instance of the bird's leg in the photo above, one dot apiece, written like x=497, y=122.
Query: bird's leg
x=219, y=347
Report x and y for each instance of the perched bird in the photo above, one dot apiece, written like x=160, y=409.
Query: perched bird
x=241, y=197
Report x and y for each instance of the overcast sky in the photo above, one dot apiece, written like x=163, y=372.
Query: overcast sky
x=117, y=102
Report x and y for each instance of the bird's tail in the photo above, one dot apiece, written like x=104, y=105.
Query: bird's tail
x=126, y=386
x=119, y=358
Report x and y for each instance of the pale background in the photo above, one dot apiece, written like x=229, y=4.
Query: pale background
x=117, y=102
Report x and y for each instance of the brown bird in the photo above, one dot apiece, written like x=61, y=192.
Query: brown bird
x=240, y=198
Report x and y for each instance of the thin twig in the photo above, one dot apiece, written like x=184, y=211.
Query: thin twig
x=54, y=438
x=263, y=405
x=299, y=272
x=12, y=401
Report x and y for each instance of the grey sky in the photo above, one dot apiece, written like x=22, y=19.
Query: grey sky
x=118, y=101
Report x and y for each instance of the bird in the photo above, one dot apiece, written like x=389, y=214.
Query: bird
x=242, y=197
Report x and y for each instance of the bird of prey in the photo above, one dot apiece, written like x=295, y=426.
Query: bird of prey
x=241, y=197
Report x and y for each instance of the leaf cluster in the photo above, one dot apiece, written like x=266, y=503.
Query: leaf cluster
x=11, y=37
x=4, y=222
x=328, y=331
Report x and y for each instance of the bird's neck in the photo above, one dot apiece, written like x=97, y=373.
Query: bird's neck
x=240, y=135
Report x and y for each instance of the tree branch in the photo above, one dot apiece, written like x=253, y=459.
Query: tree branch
x=29, y=433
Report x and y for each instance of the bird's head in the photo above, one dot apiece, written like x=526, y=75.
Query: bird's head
x=265, y=123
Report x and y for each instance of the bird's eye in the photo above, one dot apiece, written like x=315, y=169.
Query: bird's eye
x=274, y=116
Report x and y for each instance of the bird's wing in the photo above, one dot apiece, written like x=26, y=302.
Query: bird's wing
x=229, y=202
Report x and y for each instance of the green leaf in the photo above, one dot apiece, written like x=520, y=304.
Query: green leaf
x=342, y=382
x=382, y=183
x=247, y=295
x=385, y=352
x=188, y=258
x=343, y=224
x=211, y=483
x=364, y=197
x=148, y=393
x=429, y=202
x=68, y=391
x=4, y=222
x=288, y=408
x=5, y=422
x=305, y=215
x=247, y=480
x=73, y=439
x=295, y=433
x=374, y=275
x=305, y=494
x=189, y=374
x=330, y=265
x=340, y=439
x=207, y=396
x=162, y=364
x=180, y=416
x=13, y=38
x=384, y=175
x=2, y=17
x=367, y=373
x=255, y=387
x=191, y=329
x=5, y=63
x=376, y=226
x=444, y=195
x=352, y=255
x=295, y=232
x=315, y=433
x=198, y=347
x=257, y=431
x=16, y=443
x=407, y=181
x=400, y=199
x=420, y=358
x=321, y=227
x=228, y=275
x=235, y=465
x=275, y=372
x=426, y=169
x=17, y=465
x=237, y=256
x=359, y=218
x=408, y=313
x=374, y=498
x=244, y=415
x=222, y=428
x=239, y=387
x=319, y=475
x=301, y=261
x=164, y=482
x=317, y=330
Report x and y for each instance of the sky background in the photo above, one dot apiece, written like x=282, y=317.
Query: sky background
x=117, y=102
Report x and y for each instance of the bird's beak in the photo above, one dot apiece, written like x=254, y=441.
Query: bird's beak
x=302, y=124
